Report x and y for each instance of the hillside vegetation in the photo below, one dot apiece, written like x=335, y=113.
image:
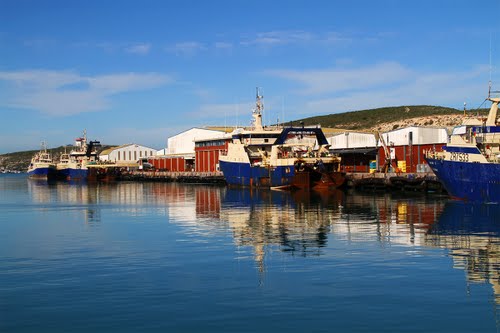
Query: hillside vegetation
x=388, y=118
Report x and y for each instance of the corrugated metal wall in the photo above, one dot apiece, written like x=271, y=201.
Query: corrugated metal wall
x=352, y=140
x=417, y=136
x=177, y=164
x=207, y=157
x=183, y=143
x=413, y=155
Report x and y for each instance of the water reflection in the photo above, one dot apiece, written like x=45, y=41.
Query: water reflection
x=471, y=234
x=297, y=222
x=184, y=204
x=77, y=198
x=300, y=223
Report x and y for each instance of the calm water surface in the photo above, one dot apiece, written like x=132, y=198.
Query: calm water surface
x=131, y=257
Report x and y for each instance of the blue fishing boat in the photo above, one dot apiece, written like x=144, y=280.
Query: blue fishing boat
x=291, y=157
x=42, y=166
x=469, y=165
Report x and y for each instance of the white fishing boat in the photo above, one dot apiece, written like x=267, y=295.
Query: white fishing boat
x=42, y=166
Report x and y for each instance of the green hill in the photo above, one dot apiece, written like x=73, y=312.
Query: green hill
x=366, y=119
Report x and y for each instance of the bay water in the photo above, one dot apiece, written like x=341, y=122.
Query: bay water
x=168, y=257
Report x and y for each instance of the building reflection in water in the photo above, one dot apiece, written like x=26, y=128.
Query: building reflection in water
x=301, y=223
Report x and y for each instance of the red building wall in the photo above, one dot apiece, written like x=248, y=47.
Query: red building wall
x=207, y=157
x=169, y=163
x=355, y=162
x=413, y=155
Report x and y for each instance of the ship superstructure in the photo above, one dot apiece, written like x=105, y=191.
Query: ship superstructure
x=279, y=157
x=74, y=166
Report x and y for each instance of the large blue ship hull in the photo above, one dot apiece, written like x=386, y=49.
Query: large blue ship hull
x=43, y=173
x=475, y=182
x=243, y=174
x=74, y=174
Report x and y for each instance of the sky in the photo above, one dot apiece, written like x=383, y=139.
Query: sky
x=142, y=71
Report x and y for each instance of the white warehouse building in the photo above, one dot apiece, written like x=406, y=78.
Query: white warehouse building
x=126, y=154
x=416, y=135
x=183, y=143
x=352, y=140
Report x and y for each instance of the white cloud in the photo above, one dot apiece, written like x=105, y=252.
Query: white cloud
x=218, y=114
x=273, y=38
x=62, y=93
x=141, y=49
x=186, y=48
x=223, y=46
x=379, y=85
x=336, y=80
x=269, y=39
x=116, y=83
x=155, y=137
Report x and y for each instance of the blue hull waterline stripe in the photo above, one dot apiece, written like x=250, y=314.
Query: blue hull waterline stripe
x=49, y=173
x=74, y=174
x=468, y=150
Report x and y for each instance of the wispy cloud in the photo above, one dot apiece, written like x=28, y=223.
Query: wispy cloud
x=273, y=38
x=40, y=43
x=384, y=84
x=141, y=48
x=220, y=113
x=186, y=48
x=328, y=80
x=223, y=45
x=154, y=137
x=63, y=93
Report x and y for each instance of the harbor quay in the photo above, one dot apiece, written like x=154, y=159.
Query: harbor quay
x=173, y=176
x=423, y=182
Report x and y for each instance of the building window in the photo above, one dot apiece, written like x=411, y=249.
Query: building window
x=135, y=155
x=130, y=155
x=150, y=153
x=140, y=153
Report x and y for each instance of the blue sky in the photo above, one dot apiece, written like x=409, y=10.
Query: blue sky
x=141, y=71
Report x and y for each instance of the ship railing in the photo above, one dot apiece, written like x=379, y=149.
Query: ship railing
x=432, y=153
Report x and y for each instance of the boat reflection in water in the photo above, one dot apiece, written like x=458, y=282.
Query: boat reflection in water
x=79, y=199
x=268, y=224
x=299, y=223
x=471, y=233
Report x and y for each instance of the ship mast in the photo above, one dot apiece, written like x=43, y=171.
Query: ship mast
x=492, y=115
x=257, y=112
